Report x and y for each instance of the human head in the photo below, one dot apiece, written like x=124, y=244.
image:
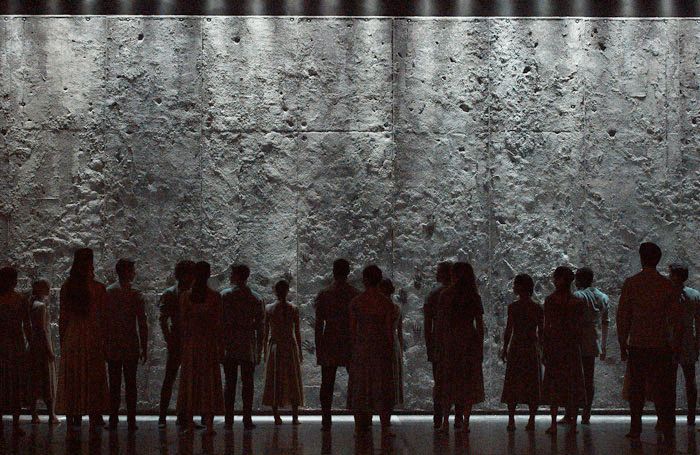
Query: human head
x=341, y=270
x=239, y=273
x=184, y=273
x=584, y=278
x=678, y=273
x=202, y=272
x=387, y=287
x=8, y=279
x=82, y=268
x=443, y=272
x=523, y=285
x=649, y=254
x=41, y=288
x=282, y=290
x=563, y=277
x=126, y=270
x=371, y=276
x=463, y=273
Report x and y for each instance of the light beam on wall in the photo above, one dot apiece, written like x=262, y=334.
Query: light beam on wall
x=425, y=8
x=668, y=8
x=294, y=7
x=506, y=8
x=464, y=8
x=371, y=8
x=543, y=8
x=628, y=8
x=330, y=7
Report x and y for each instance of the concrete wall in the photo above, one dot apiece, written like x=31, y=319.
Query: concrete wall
x=516, y=144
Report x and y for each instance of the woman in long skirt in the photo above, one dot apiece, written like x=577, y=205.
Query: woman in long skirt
x=563, y=373
x=200, y=389
x=283, y=386
x=82, y=379
x=521, y=352
x=13, y=321
x=388, y=289
x=42, y=357
x=459, y=333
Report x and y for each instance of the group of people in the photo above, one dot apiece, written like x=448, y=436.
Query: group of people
x=103, y=335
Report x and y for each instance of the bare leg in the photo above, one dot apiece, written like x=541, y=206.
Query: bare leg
x=276, y=413
x=531, y=421
x=16, y=430
x=511, y=416
x=295, y=414
x=553, y=409
x=32, y=411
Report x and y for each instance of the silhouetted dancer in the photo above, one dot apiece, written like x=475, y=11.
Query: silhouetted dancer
x=332, y=334
x=41, y=354
x=244, y=330
x=561, y=341
x=13, y=326
x=171, y=325
x=283, y=385
x=200, y=390
x=459, y=340
x=82, y=379
x=521, y=352
x=371, y=388
x=431, y=302
x=595, y=317
x=646, y=317
x=387, y=288
x=689, y=336
x=126, y=340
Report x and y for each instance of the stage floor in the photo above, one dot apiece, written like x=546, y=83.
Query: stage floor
x=414, y=435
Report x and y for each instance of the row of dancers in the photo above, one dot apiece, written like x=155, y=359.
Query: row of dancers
x=103, y=335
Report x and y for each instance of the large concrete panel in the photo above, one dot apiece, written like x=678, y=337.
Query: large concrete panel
x=345, y=74
x=442, y=75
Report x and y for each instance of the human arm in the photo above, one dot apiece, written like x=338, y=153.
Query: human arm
x=428, y=318
x=143, y=327
x=319, y=325
x=507, y=335
x=259, y=328
x=62, y=317
x=624, y=321
x=266, y=333
x=297, y=334
x=165, y=307
x=399, y=330
x=696, y=320
x=604, y=323
x=44, y=336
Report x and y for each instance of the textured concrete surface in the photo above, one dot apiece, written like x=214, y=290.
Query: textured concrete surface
x=516, y=144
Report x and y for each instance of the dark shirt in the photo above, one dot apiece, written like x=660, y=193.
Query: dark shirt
x=332, y=329
x=243, y=324
x=431, y=303
x=124, y=323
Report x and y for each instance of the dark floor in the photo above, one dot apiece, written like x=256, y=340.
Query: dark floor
x=414, y=435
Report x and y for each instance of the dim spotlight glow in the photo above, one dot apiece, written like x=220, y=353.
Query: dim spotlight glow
x=425, y=8
x=294, y=7
x=464, y=8
x=579, y=8
x=256, y=7
x=370, y=8
x=628, y=8
x=668, y=8
x=506, y=8
x=330, y=7
x=543, y=8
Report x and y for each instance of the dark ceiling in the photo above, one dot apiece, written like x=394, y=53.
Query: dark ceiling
x=524, y=8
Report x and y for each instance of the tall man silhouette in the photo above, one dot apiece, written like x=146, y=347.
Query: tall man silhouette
x=689, y=336
x=647, y=318
x=433, y=299
x=332, y=333
x=124, y=311
x=171, y=325
x=244, y=332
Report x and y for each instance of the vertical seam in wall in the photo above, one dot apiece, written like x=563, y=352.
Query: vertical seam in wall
x=394, y=190
x=586, y=151
x=297, y=141
x=200, y=71
x=667, y=105
x=489, y=159
x=103, y=127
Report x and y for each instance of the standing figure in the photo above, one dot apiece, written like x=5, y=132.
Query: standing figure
x=689, y=336
x=13, y=327
x=387, y=288
x=371, y=388
x=431, y=302
x=459, y=333
x=283, y=386
x=521, y=352
x=332, y=334
x=171, y=325
x=647, y=316
x=200, y=389
x=42, y=358
x=82, y=379
x=561, y=341
x=244, y=325
x=595, y=316
x=124, y=311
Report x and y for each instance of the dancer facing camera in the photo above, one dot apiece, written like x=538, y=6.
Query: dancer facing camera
x=200, y=382
x=244, y=325
x=283, y=386
x=41, y=354
x=332, y=334
x=13, y=325
x=563, y=374
x=521, y=352
x=125, y=310
x=171, y=325
x=459, y=333
x=82, y=383
x=372, y=388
